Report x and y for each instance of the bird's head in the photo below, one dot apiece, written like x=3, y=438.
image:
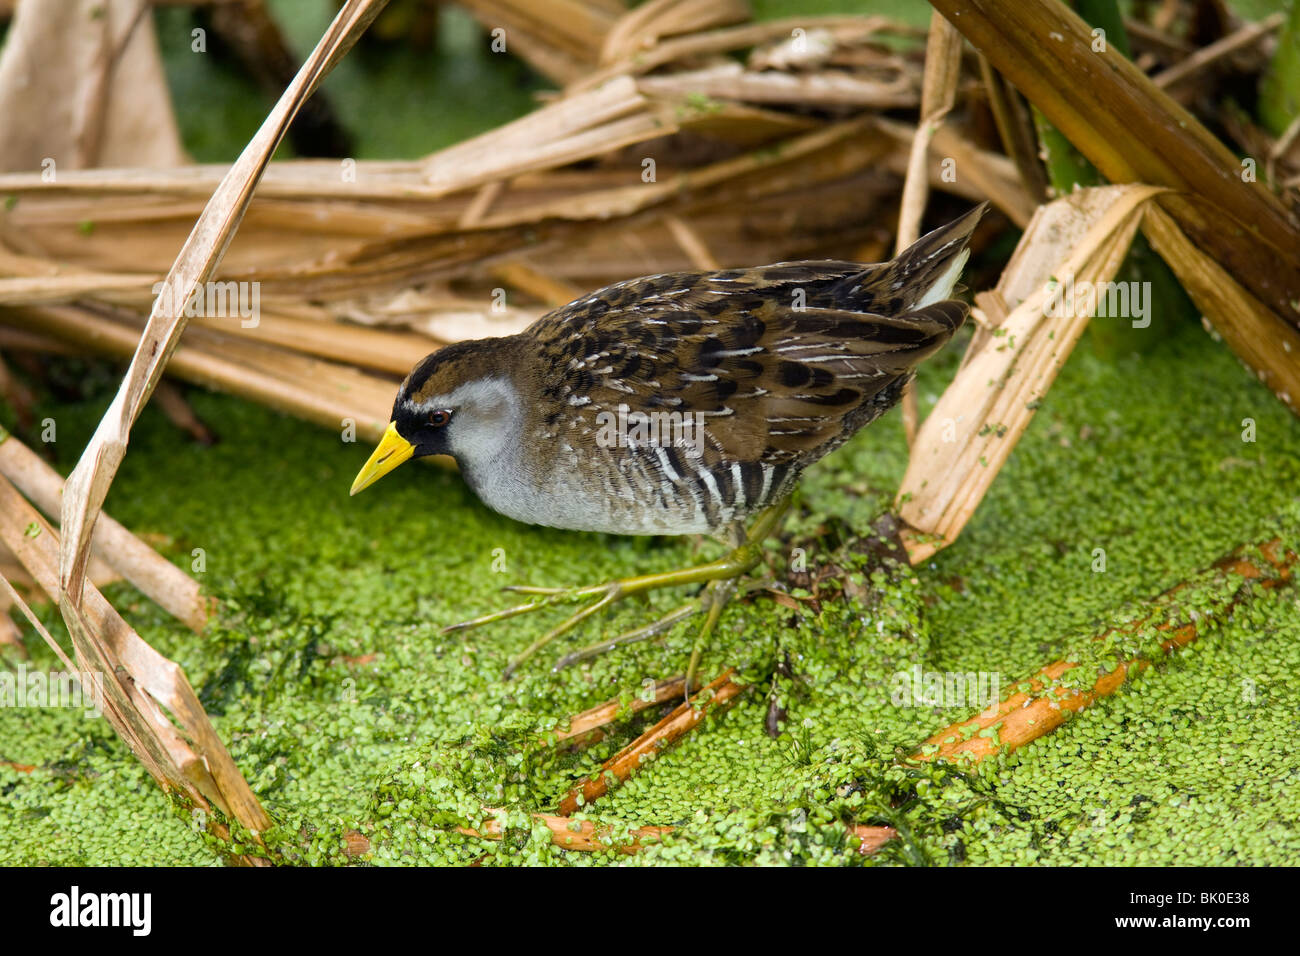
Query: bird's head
x=459, y=401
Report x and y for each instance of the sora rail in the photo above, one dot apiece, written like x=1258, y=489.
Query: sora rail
x=683, y=403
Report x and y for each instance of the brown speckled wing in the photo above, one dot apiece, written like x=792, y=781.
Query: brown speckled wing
x=783, y=362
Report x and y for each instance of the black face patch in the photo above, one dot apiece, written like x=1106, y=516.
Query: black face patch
x=417, y=427
x=440, y=374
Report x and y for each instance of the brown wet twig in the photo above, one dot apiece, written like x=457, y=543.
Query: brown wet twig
x=171, y=402
x=588, y=727
x=571, y=834
x=618, y=768
x=1036, y=711
x=1205, y=57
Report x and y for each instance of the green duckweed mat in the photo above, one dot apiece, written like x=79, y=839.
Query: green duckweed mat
x=346, y=709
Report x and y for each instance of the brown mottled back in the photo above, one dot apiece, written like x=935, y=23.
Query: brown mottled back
x=784, y=361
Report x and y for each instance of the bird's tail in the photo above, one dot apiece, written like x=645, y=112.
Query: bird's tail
x=927, y=271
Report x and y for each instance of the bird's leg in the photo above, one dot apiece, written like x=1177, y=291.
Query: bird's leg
x=716, y=596
x=646, y=632
x=719, y=575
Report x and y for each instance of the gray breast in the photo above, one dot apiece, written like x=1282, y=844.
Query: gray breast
x=649, y=490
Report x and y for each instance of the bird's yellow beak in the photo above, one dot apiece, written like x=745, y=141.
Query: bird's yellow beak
x=393, y=449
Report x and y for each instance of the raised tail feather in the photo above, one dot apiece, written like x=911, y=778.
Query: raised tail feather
x=925, y=272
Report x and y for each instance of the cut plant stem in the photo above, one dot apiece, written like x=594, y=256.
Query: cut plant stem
x=588, y=726
x=583, y=835
x=721, y=692
x=1029, y=714
x=167, y=585
x=1020, y=719
x=621, y=766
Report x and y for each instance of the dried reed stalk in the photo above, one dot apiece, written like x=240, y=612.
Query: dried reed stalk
x=116, y=107
x=719, y=693
x=88, y=484
x=938, y=94
x=396, y=229
x=848, y=30
x=561, y=39
x=1012, y=360
x=9, y=597
x=1044, y=705
x=1132, y=131
x=566, y=131
x=10, y=637
x=827, y=89
x=384, y=260
x=985, y=175
x=318, y=392
x=1238, y=40
x=154, y=575
x=136, y=679
x=644, y=26
x=20, y=340
x=1015, y=130
x=1270, y=347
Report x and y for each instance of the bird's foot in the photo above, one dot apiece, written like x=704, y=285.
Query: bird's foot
x=719, y=576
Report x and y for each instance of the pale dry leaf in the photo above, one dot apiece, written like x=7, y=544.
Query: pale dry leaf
x=977, y=421
x=106, y=104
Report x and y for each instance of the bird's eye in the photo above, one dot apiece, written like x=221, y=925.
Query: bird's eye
x=440, y=418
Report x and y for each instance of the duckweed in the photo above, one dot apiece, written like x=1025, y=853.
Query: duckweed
x=349, y=712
